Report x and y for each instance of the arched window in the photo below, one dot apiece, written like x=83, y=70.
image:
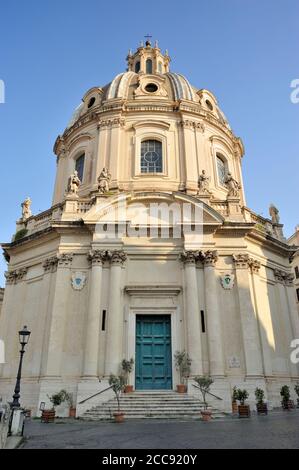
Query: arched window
x=149, y=66
x=137, y=67
x=151, y=156
x=80, y=166
x=221, y=169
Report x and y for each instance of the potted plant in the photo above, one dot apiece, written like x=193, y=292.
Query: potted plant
x=204, y=383
x=48, y=415
x=117, y=384
x=243, y=409
x=234, y=401
x=183, y=366
x=286, y=402
x=127, y=367
x=69, y=398
x=261, y=406
x=296, y=388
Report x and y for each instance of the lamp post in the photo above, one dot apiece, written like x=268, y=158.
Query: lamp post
x=24, y=335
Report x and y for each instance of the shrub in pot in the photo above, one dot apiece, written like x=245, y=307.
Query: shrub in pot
x=204, y=384
x=48, y=415
x=286, y=402
x=235, y=400
x=296, y=388
x=243, y=409
x=68, y=397
x=183, y=366
x=261, y=406
x=127, y=367
x=117, y=384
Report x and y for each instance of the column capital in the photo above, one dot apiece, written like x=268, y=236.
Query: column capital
x=209, y=257
x=64, y=259
x=254, y=265
x=11, y=277
x=279, y=275
x=97, y=257
x=189, y=256
x=118, y=257
x=50, y=264
x=289, y=279
x=241, y=260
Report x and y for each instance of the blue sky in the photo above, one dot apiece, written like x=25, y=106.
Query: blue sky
x=244, y=51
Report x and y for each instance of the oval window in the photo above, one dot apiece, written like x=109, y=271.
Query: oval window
x=209, y=105
x=151, y=88
x=91, y=102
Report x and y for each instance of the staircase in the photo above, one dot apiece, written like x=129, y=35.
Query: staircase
x=151, y=405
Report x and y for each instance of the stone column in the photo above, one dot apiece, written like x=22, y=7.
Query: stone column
x=192, y=314
x=58, y=316
x=293, y=311
x=213, y=315
x=91, y=351
x=263, y=315
x=251, y=340
x=288, y=330
x=114, y=340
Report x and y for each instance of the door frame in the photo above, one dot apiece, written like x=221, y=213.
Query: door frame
x=131, y=348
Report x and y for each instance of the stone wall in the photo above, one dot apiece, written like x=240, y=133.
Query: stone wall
x=4, y=422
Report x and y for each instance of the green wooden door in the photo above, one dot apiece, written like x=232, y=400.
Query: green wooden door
x=153, y=352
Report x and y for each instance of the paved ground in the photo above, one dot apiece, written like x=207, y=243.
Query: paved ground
x=277, y=430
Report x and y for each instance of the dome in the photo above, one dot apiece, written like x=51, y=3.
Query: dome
x=148, y=77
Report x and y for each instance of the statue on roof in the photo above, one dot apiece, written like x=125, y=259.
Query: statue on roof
x=26, y=211
x=203, y=183
x=232, y=185
x=274, y=214
x=73, y=183
x=104, y=180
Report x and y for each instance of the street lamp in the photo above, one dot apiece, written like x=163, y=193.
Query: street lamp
x=24, y=335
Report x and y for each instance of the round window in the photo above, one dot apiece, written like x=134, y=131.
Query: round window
x=209, y=105
x=151, y=88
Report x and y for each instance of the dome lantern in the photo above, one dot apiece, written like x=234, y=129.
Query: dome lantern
x=148, y=59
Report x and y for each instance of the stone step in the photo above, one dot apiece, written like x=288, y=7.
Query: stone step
x=150, y=404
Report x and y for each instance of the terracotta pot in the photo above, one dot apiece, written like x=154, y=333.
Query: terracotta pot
x=72, y=412
x=234, y=407
x=181, y=388
x=262, y=408
x=288, y=405
x=119, y=417
x=48, y=416
x=244, y=411
x=206, y=415
x=128, y=389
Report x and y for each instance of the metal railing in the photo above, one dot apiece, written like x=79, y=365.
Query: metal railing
x=212, y=394
x=94, y=395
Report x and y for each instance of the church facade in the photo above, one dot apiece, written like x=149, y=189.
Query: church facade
x=147, y=249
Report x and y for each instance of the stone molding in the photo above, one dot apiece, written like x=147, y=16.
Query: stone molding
x=209, y=257
x=98, y=257
x=190, y=257
x=118, y=257
x=241, y=260
x=50, y=264
x=112, y=122
x=188, y=124
x=12, y=277
x=65, y=259
x=284, y=277
x=254, y=265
